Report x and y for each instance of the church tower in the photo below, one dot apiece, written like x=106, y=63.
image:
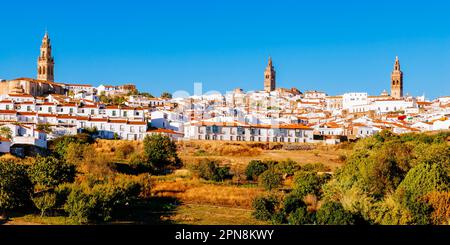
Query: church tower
x=45, y=61
x=397, y=81
x=269, y=77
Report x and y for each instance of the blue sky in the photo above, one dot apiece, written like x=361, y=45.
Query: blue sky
x=333, y=46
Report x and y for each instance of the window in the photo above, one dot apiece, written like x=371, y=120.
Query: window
x=71, y=110
x=92, y=112
x=125, y=113
x=49, y=109
x=7, y=107
x=113, y=113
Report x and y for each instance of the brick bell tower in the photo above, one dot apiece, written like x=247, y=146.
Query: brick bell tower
x=269, y=77
x=45, y=61
x=397, y=81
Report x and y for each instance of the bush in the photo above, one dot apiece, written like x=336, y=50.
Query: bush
x=292, y=202
x=160, y=152
x=50, y=172
x=254, y=169
x=270, y=179
x=333, y=213
x=45, y=202
x=287, y=167
x=421, y=180
x=79, y=206
x=59, y=145
x=264, y=207
x=309, y=183
x=211, y=170
x=15, y=186
x=301, y=216
x=102, y=201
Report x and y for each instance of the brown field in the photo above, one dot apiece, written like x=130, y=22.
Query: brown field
x=238, y=154
x=230, y=202
x=194, y=201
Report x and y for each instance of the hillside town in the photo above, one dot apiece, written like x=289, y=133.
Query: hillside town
x=33, y=111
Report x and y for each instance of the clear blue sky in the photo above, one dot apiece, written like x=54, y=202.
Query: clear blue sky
x=334, y=46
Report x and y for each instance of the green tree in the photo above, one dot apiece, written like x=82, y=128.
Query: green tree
x=15, y=186
x=211, y=170
x=301, y=216
x=48, y=172
x=264, y=207
x=254, y=169
x=161, y=152
x=309, y=183
x=79, y=205
x=287, y=167
x=45, y=202
x=332, y=213
x=421, y=180
x=270, y=179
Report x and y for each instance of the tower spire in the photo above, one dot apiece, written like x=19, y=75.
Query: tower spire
x=269, y=77
x=45, y=60
x=397, y=80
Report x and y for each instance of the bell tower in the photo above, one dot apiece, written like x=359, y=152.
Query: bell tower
x=269, y=77
x=397, y=81
x=45, y=61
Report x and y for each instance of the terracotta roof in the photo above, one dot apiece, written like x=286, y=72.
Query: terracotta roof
x=46, y=115
x=3, y=139
x=66, y=116
x=163, y=130
x=21, y=95
x=117, y=121
x=98, y=119
x=26, y=113
x=7, y=112
x=137, y=123
x=26, y=103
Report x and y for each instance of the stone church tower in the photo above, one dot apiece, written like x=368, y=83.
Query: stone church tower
x=397, y=81
x=45, y=61
x=269, y=77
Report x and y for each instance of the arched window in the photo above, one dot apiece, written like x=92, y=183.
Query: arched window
x=39, y=70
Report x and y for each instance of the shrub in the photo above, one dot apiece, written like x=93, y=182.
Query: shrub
x=332, y=213
x=160, y=152
x=45, y=202
x=50, y=172
x=264, y=207
x=79, y=206
x=287, y=167
x=59, y=145
x=270, y=179
x=439, y=201
x=254, y=169
x=100, y=202
x=15, y=186
x=292, y=202
x=309, y=183
x=211, y=170
x=301, y=216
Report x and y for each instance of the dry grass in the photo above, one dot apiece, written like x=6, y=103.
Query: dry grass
x=118, y=150
x=192, y=152
x=197, y=214
x=199, y=192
